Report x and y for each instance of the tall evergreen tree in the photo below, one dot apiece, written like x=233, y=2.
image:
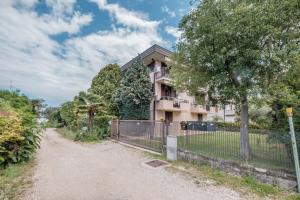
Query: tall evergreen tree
x=135, y=92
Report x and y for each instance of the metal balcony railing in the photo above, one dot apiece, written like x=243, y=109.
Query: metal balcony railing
x=174, y=99
x=162, y=74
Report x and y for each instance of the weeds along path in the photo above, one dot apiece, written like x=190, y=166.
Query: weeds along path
x=109, y=171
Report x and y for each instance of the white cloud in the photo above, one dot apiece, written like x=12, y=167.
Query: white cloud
x=126, y=17
x=42, y=67
x=173, y=31
x=60, y=7
x=26, y=3
x=167, y=10
x=182, y=11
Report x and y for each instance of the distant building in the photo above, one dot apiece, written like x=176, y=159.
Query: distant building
x=168, y=103
x=223, y=113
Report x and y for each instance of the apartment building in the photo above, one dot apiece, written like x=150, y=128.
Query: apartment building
x=169, y=104
x=224, y=113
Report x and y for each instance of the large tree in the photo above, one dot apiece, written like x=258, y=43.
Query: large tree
x=105, y=84
x=135, y=92
x=235, y=49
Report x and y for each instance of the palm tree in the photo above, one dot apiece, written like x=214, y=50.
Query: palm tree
x=90, y=104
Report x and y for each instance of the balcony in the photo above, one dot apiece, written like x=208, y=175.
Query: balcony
x=196, y=108
x=170, y=104
x=163, y=77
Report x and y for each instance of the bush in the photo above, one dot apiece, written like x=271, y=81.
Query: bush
x=99, y=131
x=10, y=134
x=237, y=125
x=102, y=126
x=19, y=130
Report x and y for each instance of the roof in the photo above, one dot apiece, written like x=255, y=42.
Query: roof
x=153, y=49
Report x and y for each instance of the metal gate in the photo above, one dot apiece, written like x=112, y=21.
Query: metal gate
x=142, y=133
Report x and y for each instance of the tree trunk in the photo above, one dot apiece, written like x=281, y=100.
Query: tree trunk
x=90, y=120
x=244, y=141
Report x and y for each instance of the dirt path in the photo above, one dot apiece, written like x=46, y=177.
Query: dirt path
x=108, y=171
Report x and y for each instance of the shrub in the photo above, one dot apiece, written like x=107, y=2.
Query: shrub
x=102, y=126
x=19, y=130
x=237, y=125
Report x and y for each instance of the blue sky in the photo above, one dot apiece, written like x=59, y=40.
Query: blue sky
x=51, y=49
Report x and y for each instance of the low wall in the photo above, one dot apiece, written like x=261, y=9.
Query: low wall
x=279, y=178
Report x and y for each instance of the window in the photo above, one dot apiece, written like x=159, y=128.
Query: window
x=151, y=66
x=167, y=91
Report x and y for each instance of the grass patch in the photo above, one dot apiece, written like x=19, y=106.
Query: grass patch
x=76, y=136
x=15, y=179
x=246, y=186
x=66, y=133
x=226, y=145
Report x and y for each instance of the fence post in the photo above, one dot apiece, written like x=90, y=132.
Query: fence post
x=171, y=147
x=167, y=128
x=118, y=128
x=294, y=145
x=152, y=127
x=163, y=131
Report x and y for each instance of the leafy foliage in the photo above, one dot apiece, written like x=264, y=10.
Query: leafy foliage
x=85, y=118
x=89, y=104
x=105, y=84
x=283, y=93
x=236, y=49
x=68, y=114
x=19, y=130
x=135, y=92
x=53, y=116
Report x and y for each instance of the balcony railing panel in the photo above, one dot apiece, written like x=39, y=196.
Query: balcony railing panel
x=170, y=103
x=162, y=74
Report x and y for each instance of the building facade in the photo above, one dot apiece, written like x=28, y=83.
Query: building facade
x=169, y=104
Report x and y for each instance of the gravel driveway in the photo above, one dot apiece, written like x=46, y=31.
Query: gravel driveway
x=109, y=171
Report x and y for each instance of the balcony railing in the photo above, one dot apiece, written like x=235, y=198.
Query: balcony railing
x=174, y=99
x=197, y=108
x=170, y=103
x=162, y=74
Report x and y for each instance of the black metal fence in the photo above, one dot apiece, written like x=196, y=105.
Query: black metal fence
x=269, y=149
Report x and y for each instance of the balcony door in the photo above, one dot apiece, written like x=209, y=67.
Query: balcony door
x=167, y=91
x=164, y=70
x=169, y=117
x=200, y=117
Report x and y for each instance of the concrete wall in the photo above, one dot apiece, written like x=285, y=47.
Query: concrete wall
x=282, y=179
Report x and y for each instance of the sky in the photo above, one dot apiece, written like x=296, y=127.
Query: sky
x=52, y=49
